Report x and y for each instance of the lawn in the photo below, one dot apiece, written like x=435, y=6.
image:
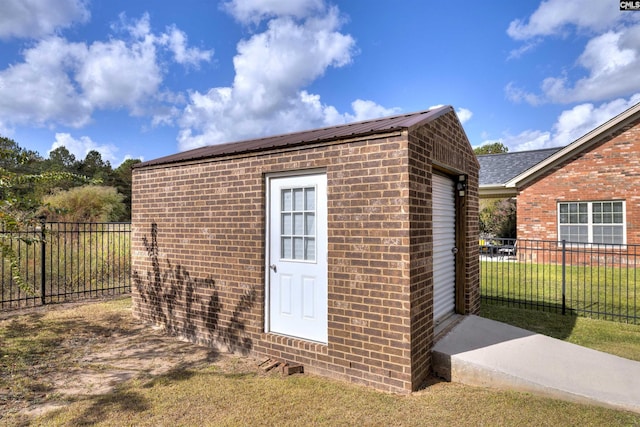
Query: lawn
x=604, y=292
x=92, y=364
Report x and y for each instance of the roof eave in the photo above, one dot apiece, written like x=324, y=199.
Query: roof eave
x=162, y=160
x=349, y=131
x=495, y=191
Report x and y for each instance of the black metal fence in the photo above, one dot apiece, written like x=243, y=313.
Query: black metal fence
x=592, y=280
x=66, y=261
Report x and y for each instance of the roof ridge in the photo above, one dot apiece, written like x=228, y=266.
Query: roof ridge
x=521, y=152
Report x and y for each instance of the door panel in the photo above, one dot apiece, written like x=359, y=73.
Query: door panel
x=297, y=256
x=285, y=294
x=308, y=297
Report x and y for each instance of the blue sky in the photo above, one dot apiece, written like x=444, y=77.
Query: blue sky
x=149, y=78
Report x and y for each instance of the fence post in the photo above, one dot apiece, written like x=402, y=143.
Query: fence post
x=43, y=257
x=564, y=271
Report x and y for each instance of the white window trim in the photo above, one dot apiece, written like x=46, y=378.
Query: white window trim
x=590, y=223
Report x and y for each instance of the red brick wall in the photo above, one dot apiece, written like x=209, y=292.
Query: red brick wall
x=198, y=257
x=608, y=171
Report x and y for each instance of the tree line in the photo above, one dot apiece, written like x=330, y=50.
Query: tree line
x=62, y=187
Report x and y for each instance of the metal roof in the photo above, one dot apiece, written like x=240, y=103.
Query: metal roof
x=497, y=169
x=350, y=130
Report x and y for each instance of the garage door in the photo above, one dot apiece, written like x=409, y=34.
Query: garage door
x=444, y=243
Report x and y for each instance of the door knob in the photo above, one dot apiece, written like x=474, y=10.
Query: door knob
x=454, y=250
x=273, y=267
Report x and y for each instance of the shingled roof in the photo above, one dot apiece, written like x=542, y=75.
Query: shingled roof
x=350, y=130
x=497, y=169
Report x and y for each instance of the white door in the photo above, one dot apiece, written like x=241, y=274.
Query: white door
x=444, y=242
x=297, y=257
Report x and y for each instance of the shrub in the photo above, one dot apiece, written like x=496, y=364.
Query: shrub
x=89, y=203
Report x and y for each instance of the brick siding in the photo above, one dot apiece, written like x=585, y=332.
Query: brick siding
x=198, y=253
x=610, y=170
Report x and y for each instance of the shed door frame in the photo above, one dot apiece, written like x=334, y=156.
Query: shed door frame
x=461, y=234
x=445, y=236
x=274, y=259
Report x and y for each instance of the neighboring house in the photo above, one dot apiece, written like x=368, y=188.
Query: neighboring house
x=497, y=169
x=588, y=191
x=340, y=249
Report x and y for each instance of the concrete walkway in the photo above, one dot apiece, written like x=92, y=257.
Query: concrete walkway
x=484, y=352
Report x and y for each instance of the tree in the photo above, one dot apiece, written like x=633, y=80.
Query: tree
x=14, y=158
x=498, y=219
x=493, y=148
x=17, y=205
x=15, y=161
x=89, y=203
x=95, y=167
x=123, y=183
x=61, y=159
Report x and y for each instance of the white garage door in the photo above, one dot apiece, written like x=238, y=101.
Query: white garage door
x=444, y=243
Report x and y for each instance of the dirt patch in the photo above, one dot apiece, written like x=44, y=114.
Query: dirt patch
x=98, y=350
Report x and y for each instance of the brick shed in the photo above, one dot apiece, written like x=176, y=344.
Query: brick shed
x=340, y=248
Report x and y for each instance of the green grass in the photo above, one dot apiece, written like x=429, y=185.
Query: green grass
x=56, y=339
x=207, y=397
x=617, y=338
x=611, y=293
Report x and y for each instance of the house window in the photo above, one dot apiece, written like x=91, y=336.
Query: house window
x=592, y=222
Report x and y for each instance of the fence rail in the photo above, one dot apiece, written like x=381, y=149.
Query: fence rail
x=592, y=280
x=66, y=261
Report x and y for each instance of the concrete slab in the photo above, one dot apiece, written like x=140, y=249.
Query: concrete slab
x=484, y=352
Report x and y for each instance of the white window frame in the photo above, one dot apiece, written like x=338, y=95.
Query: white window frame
x=590, y=224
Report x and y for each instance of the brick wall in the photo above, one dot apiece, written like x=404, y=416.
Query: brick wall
x=198, y=257
x=441, y=143
x=609, y=170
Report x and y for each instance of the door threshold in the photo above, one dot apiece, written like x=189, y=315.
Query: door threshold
x=445, y=324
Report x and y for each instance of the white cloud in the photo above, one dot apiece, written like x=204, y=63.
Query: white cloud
x=554, y=16
x=524, y=141
x=366, y=110
x=40, y=90
x=177, y=43
x=254, y=11
x=611, y=60
x=81, y=146
x=607, y=67
x=570, y=125
x=583, y=118
x=518, y=95
x=272, y=69
x=529, y=46
x=64, y=82
x=272, y=65
x=464, y=115
x=612, y=63
x=37, y=18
